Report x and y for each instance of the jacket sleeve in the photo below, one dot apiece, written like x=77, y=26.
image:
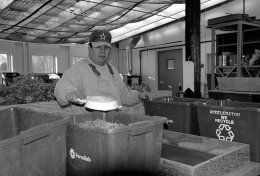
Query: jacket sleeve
x=69, y=82
x=127, y=95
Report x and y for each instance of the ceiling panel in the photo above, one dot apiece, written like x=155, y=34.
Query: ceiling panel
x=71, y=21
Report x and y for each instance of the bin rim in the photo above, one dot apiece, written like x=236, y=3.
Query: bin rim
x=100, y=130
x=4, y=107
x=158, y=119
x=55, y=114
x=154, y=121
x=62, y=118
x=11, y=140
x=204, y=104
x=168, y=103
x=168, y=132
x=174, y=102
x=59, y=122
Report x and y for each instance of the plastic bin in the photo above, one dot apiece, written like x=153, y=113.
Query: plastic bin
x=181, y=113
x=231, y=121
x=192, y=155
x=133, y=149
x=32, y=143
x=248, y=84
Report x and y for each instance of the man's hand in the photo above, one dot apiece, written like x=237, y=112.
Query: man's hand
x=145, y=95
x=73, y=97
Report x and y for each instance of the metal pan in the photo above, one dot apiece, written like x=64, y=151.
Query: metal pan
x=98, y=103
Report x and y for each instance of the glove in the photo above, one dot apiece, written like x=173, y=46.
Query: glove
x=72, y=97
x=142, y=96
x=145, y=95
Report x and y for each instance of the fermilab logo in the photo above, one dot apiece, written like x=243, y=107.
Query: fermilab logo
x=75, y=155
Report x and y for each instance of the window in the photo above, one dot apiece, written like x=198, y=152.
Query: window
x=6, y=62
x=170, y=64
x=76, y=59
x=3, y=62
x=44, y=64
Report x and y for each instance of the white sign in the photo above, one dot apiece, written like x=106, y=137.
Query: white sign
x=225, y=124
x=75, y=155
x=227, y=113
x=223, y=119
x=227, y=128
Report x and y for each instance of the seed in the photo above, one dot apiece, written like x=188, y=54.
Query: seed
x=98, y=123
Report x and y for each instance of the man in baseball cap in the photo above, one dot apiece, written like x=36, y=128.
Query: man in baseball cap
x=100, y=37
x=99, y=47
x=93, y=75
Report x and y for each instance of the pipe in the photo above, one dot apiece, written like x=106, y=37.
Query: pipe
x=244, y=7
x=129, y=58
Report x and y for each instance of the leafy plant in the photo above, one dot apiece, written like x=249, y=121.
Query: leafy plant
x=26, y=89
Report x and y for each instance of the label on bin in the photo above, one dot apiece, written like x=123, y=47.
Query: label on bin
x=230, y=133
x=75, y=155
x=226, y=120
x=228, y=113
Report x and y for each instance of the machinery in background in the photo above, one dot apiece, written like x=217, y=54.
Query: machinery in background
x=132, y=80
x=7, y=77
x=47, y=77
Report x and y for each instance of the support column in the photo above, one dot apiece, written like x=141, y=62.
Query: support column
x=192, y=40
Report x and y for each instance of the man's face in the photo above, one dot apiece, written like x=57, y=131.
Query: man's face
x=100, y=54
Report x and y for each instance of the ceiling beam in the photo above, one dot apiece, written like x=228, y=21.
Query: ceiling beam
x=17, y=9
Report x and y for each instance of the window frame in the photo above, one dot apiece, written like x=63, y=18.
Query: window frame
x=9, y=61
x=54, y=63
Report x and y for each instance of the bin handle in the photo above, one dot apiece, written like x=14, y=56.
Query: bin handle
x=139, y=131
x=36, y=133
x=140, y=128
x=169, y=121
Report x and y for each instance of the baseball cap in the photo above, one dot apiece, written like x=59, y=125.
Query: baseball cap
x=100, y=37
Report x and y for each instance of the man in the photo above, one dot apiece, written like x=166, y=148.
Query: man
x=92, y=76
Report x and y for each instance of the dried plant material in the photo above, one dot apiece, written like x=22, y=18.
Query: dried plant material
x=98, y=123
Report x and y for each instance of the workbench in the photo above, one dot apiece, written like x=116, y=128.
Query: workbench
x=234, y=95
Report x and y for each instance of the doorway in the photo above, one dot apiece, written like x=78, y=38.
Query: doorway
x=170, y=70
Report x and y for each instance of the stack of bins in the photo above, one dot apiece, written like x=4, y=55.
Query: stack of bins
x=132, y=149
x=231, y=121
x=32, y=143
x=181, y=113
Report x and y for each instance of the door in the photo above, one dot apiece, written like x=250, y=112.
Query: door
x=170, y=70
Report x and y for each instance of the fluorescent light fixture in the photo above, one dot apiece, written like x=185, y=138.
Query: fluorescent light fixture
x=147, y=24
x=4, y=3
x=156, y=20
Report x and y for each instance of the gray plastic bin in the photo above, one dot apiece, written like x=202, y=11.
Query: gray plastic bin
x=32, y=143
x=132, y=149
x=231, y=121
x=181, y=113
